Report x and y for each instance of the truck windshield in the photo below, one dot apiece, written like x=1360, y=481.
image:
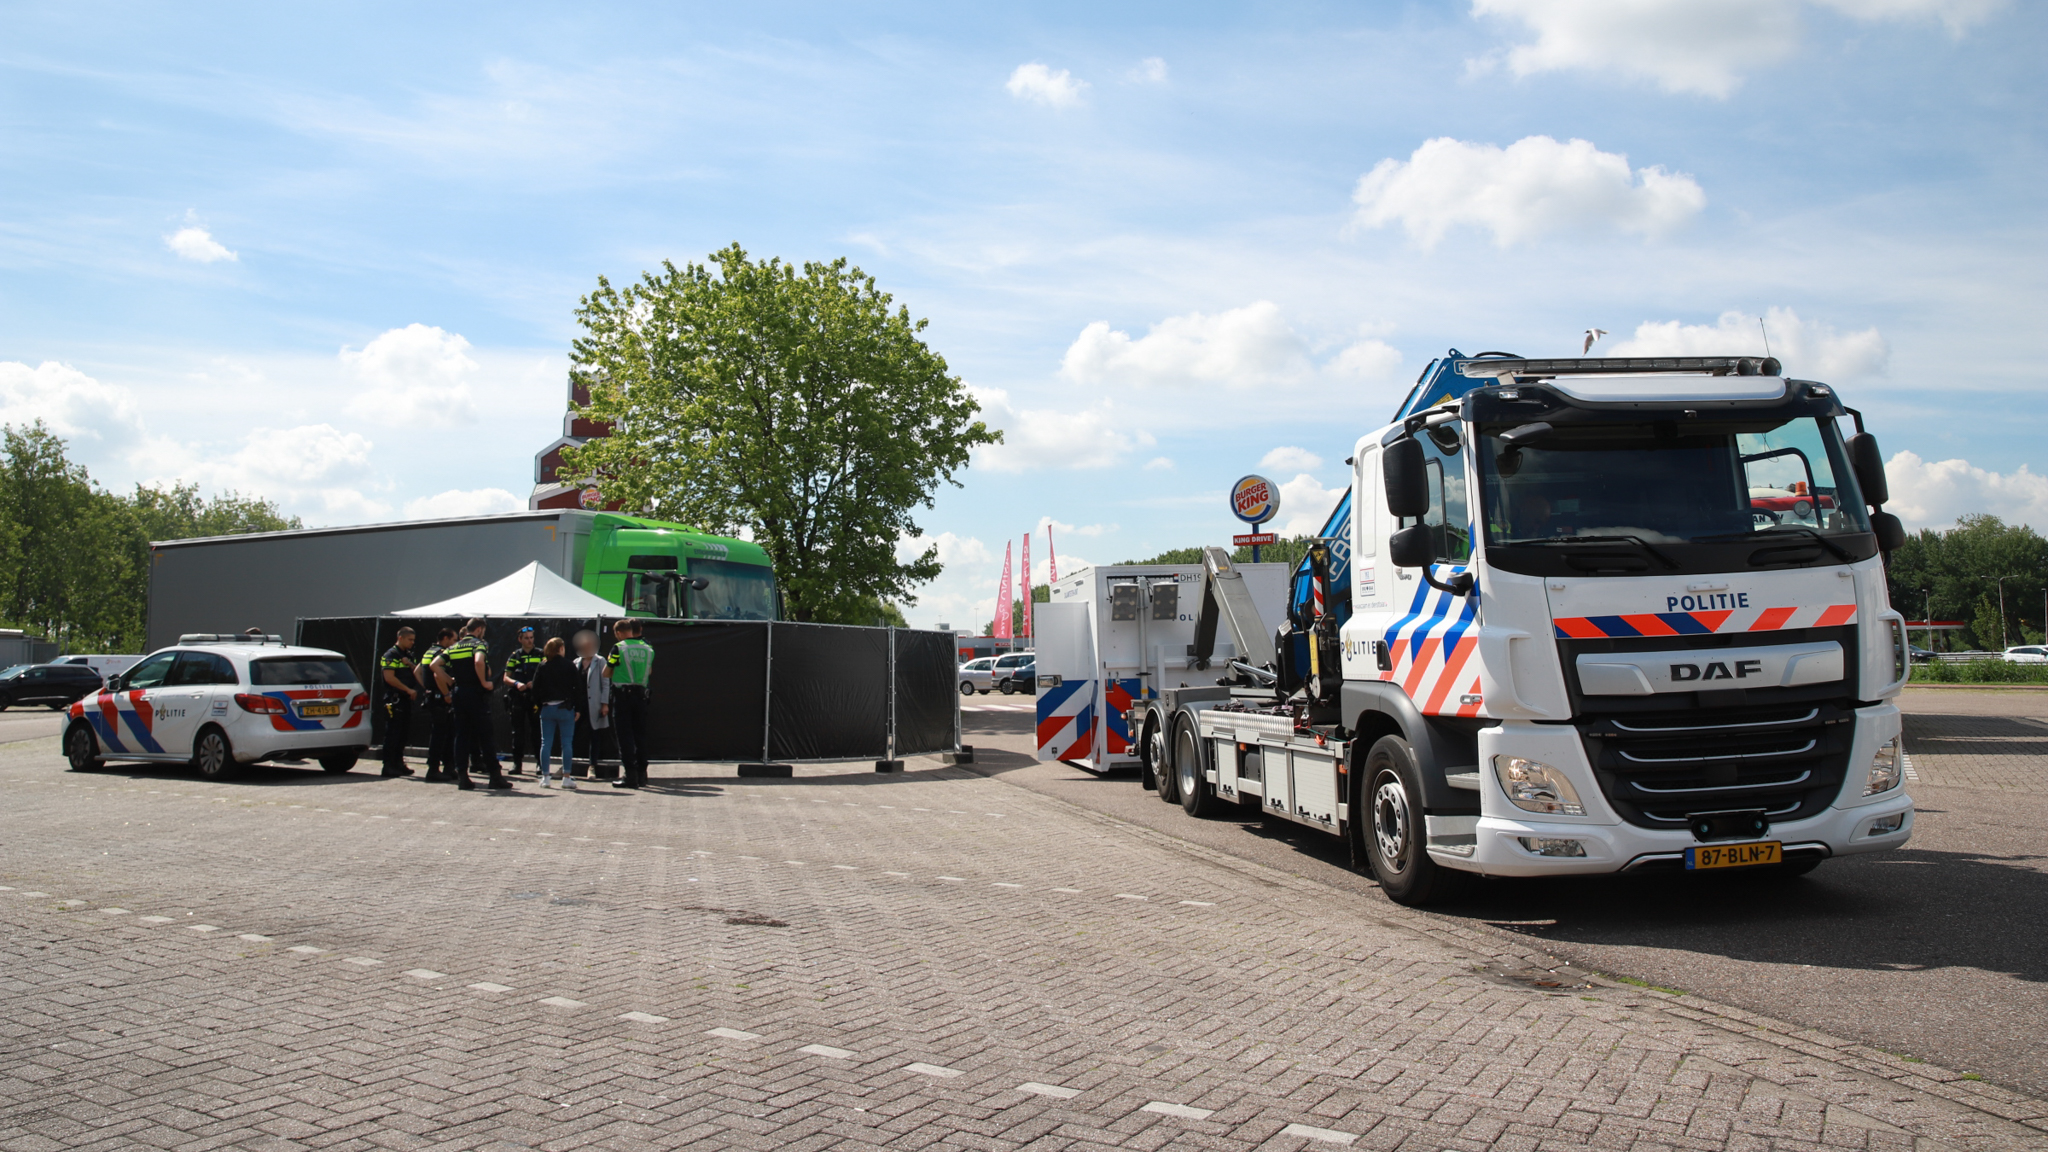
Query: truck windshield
x=1669, y=481
x=734, y=591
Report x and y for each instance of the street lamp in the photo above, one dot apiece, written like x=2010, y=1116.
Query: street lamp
x=2001, y=608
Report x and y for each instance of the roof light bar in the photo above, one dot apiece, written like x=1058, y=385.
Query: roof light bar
x=1507, y=371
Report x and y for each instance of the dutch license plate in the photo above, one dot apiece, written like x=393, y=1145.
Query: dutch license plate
x=319, y=709
x=1734, y=855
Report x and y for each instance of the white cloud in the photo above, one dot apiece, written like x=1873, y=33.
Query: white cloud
x=1244, y=347
x=1150, y=70
x=1807, y=348
x=458, y=502
x=1290, y=460
x=72, y=404
x=414, y=373
x=1063, y=529
x=1367, y=360
x=1159, y=464
x=1306, y=504
x=1040, y=84
x=1533, y=187
x=1932, y=494
x=195, y=243
x=1039, y=438
x=1697, y=46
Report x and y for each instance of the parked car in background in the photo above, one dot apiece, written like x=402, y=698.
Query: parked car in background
x=105, y=664
x=1023, y=678
x=1918, y=654
x=49, y=685
x=2027, y=654
x=220, y=702
x=974, y=675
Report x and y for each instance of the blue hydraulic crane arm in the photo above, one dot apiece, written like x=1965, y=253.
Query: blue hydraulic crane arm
x=1442, y=381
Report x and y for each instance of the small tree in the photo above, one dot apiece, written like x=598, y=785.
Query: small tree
x=790, y=402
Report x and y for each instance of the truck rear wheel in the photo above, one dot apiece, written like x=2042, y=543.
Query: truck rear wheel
x=1154, y=759
x=1163, y=771
x=1197, y=799
x=1394, y=828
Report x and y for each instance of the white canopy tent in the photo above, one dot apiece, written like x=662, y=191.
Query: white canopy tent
x=531, y=591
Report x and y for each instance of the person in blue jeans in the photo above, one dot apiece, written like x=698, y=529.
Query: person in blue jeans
x=558, y=686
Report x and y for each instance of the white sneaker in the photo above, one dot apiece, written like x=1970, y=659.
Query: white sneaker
x=546, y=783
x=568, y=785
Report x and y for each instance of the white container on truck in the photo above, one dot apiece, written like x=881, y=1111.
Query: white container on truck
x=1598, y=615
x=1113, y=635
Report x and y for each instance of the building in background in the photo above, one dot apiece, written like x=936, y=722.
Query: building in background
x=551, y=491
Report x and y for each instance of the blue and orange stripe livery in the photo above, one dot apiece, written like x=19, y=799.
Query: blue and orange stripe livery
x=1696, y=623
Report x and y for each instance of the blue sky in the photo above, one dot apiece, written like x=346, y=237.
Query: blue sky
x=333, y=259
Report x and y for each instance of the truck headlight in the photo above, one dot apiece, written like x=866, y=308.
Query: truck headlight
x=1884, y=768
x=1534, y=786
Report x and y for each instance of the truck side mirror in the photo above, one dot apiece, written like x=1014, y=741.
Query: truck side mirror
x=1891, y=535
x=1869, y=465
x=1411, y=547
x=1405, y=480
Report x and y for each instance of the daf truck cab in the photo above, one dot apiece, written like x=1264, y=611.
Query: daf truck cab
x=1598, y=615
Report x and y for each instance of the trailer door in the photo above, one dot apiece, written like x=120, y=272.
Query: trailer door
x=1069, y=682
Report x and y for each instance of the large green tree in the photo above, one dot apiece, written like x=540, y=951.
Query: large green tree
x=792, y=403
x=1954, y=575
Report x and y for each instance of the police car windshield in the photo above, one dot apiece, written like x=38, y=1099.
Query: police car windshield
x=1669, y=481
x=733, y=591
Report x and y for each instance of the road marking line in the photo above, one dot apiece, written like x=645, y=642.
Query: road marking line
x=895, y=873
x=425, y=974
x=1131, y=896
x=115, y=911
x=798, y=863
x=846, y=867
x=71, y=903
x=1069, y=891
x=305, y=950
x=1200, y=903
x=562, y=1002
x=826, y=1050
x=644, y=1018
x=487, y=986
x=253, y=938
x=37, y=895
x=923, y=1069
x=1180, y=1110
x=1000, y=884
x=365, y=961
x=1326, y=1135
x=154, y=919
x=733, y=1034
x=954, y=879
x=1053, y=1090
x=202, y=927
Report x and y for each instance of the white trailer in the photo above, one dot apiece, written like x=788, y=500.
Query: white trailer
x=1116, y=635
x=1583, y=630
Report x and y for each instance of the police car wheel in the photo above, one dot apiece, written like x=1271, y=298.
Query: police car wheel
x=1395, y=830
x=339, y=762
x=81, y=749
x=213, y=755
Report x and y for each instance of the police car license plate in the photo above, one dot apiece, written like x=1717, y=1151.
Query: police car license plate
x=319, y=709
x=1735, y=855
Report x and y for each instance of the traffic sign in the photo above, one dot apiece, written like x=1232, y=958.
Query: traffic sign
x=1255, y=538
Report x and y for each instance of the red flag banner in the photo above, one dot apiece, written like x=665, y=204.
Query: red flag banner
x=1002, y=629
x=1027, y=584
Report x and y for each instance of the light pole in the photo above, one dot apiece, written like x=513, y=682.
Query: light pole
x=2001, y=608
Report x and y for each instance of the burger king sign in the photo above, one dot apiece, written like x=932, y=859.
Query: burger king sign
x=1254, y=500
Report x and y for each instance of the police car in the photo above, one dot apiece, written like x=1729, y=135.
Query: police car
x=218, y=702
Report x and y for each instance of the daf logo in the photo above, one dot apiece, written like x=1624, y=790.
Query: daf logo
x=1717, y=671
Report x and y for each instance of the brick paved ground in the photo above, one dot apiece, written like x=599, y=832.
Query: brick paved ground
x=1981, y=739
x=932, y=960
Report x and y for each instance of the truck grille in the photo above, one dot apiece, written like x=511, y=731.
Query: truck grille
x=1656, y=768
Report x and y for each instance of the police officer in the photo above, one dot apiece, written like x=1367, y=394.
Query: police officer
x=394, y=668
x=464, y=671
x=440, y=717
x=628, y=668
x=520, y=669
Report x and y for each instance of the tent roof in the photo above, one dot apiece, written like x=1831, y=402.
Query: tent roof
x=531, y=591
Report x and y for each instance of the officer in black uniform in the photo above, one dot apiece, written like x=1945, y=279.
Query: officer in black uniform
x=520, y=669
x=394, y=668
x=440, y=717
x=465, y=670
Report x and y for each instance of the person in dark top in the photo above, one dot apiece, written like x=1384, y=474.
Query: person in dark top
x=465, y=672
x=440, y=717
x=559, y=690
x=524, y=708
x=394, y=668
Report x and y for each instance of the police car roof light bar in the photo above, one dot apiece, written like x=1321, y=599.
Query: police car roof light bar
x=1508, y=370
x=230, y=638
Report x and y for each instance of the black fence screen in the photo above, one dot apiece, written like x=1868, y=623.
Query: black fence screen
x=725, y=691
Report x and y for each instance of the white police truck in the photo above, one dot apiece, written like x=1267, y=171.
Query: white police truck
x=219, y=702
x=1579, y=616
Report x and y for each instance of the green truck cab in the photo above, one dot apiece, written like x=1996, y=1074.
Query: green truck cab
x=655, y=568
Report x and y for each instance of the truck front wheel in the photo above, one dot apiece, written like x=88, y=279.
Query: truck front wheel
x=1395, y=829
x=1154, y=761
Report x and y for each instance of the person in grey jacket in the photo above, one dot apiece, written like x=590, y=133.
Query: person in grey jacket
x=595, y=717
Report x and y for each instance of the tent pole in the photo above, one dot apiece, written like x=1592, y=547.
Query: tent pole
x=892, y=693
x=767, y=690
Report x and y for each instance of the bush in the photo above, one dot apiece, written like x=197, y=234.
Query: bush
x=1981, y=672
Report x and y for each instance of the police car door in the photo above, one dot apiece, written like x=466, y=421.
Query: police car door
x=181, y=704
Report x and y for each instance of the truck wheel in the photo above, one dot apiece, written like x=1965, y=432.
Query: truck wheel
x=82, y=749
x=339, y=762
x=1196, y=798
x=1165, y=774
x=1154, y=761
x=1395, y=831
x=213, y=755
